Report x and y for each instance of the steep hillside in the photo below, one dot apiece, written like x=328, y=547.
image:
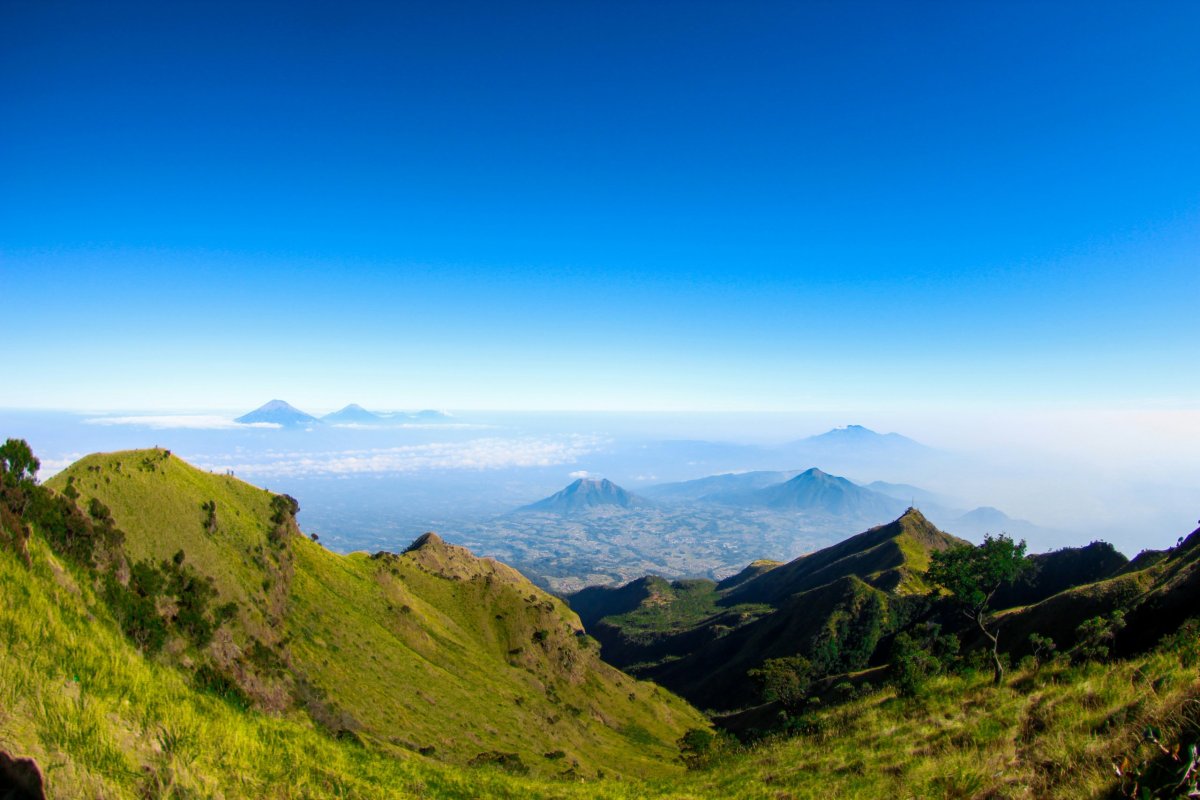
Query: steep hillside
x=431, y=649
x=835, y=626
x=1060, y=570
x=892, y=557
x=1154, y=600
x=700, y=638
x=102, y=720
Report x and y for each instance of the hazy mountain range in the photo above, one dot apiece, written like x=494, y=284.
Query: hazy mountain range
x=594, y=531
x=283, y=414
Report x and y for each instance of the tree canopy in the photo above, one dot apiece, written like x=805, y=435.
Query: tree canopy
x=17, y=462
x=973, y=574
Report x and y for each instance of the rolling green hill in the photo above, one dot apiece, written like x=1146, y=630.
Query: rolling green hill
x=265, y=704
x=431, y=649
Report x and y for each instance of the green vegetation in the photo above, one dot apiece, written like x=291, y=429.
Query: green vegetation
x=128, y=670
x=671, y=606
x=432, y=650
x=919, y=654
x=973, y=575
x=711, y=643
x=785, y=680
x=76, y=695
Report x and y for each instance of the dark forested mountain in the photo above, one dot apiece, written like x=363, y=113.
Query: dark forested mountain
x=1059, y=570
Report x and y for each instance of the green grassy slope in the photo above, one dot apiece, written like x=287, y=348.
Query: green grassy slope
x=104, y=721
x=714, y=674
x=156, y=499
x=1155, y=600
x=660, y=619
x=431, y=649
x=699, y=638
x=891, y=556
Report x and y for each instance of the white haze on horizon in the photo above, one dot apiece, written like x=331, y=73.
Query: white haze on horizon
x=1130, y=476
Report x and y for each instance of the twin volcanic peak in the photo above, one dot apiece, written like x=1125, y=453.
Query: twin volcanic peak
x=283, y=414
x=811, y=491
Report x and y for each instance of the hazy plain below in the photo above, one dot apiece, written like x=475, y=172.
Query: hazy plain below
x=1132, y=478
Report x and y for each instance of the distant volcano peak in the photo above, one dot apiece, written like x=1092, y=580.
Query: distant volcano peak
x=587, y=493
x=277, y=412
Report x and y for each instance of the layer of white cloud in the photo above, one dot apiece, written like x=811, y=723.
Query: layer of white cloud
x=206, y=422
x=579, y=473
x=477, y=454
x=386, y=425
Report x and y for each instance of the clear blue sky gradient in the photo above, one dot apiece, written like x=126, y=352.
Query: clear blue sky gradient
x=600, y=205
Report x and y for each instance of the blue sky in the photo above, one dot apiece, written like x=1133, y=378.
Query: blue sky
x=600, y=206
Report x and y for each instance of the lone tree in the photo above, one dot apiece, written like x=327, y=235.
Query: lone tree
x=17, y=463
x=973, y=574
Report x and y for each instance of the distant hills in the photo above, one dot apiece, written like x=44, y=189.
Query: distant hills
x=285, y=415
x=353, y=413
x=859, y=436
x=277, y=412
x=715, y=488
x=585, y=494
x=819, y=492
x=857, y=443
x=858, y=450
x=811, y=491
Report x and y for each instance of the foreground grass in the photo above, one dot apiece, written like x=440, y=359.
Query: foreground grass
x=1060, y=732
x=435, y=652
x=103, y=721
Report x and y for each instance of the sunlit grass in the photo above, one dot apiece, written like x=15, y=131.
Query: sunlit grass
x=104, y=721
